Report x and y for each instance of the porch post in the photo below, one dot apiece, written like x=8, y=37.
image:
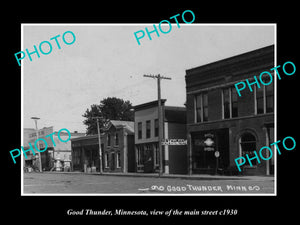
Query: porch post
x=125, y=153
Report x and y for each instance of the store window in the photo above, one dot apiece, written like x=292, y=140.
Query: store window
x=140, y=155
x=248, y=146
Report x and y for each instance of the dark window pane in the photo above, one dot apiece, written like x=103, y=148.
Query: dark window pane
x=198, y=115
x=270, y=98
x=248, y=146
x=156, y=127
x=139, y=130
x=226, y=103
x=234, y=103
x=148, y=129
x=260, y=100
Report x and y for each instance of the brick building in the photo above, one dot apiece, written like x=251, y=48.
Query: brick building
x=220, y=123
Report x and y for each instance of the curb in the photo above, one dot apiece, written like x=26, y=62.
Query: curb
x=185, y=177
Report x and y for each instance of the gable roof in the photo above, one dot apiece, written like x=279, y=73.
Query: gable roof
x=128, y=125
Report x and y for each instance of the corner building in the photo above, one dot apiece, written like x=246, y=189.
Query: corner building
x=221, y=126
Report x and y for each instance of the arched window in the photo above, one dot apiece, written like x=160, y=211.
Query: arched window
x=248, y=146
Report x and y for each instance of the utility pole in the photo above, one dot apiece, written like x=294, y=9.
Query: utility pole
x=37, y=137
x=160, y=119
x=99, y=140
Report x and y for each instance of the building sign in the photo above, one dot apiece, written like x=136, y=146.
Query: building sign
x=174, y=142
x=209, y=144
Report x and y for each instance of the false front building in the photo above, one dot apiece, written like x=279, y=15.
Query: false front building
x=221, y=126
x=146, y=138
x=60, y=151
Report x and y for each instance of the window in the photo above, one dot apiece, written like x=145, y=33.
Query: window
x=198, y=108
x=264, y=100
x=139, y=154
x=108, y=140
x=106, y=160
x=226, y=104
x=118, y=159
x=148, y=129
x=205, y=106
x=234, y=103
x=270, y=98
x=259, y=100
x=230, y=103
x=156, y=127
x=117, y=139
x=248, y=146
x=140, y=130
x=201, y=108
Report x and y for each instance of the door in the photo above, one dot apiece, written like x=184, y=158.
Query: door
x=148, y=159
x=113, y=161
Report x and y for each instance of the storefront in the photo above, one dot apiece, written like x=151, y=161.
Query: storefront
x=222, y=126
x=174, y=157
x=210, y=151
x=85, y=154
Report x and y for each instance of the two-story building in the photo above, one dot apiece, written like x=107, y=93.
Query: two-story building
x=117, y=147
x=221, y=125
x=146, y=138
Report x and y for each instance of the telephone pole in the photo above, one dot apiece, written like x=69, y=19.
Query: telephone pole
x=99, y=140
x=160, y=119
x=37, y=137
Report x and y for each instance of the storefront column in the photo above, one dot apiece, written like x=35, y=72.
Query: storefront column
x=189, y=154
x=267, y=152
x=83, y=159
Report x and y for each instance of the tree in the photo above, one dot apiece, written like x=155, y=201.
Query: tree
x=110, y=108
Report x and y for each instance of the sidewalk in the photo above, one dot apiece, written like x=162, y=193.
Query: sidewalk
x=176, y=176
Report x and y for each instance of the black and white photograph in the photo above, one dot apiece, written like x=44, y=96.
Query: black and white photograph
x=159, y=117
x=172, y=115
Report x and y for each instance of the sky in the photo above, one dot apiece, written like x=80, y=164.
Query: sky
x=106, y=61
